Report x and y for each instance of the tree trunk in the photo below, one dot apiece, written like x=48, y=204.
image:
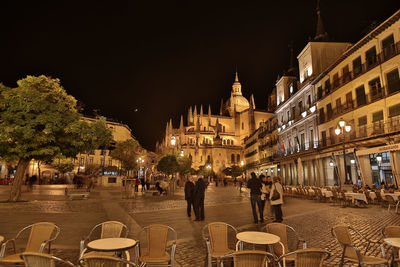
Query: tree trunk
x=18, y=179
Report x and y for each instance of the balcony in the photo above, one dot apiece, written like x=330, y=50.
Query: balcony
x=375, y=95
x=298, y=148
x=371, y=63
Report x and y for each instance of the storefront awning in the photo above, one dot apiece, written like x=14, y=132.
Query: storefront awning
x=378, y=149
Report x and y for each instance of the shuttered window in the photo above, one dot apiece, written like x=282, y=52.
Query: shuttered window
x=377, y=116
x=394, y=111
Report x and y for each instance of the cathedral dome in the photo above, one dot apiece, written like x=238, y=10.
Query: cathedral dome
x=239, y=101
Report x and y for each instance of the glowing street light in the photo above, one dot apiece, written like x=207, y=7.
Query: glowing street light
x=341, y=130
x=173, y=140
x=242, y=163
x=182, y=153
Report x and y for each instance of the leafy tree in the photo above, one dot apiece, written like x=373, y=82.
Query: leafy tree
x=184, y=165
x=206, y=172
x=168, y=165
x=63, y=166
x=39, y=120
x=236, y=171
x=126, y=152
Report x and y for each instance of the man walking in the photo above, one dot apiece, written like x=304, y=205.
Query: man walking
x=255, y=185
x=189, y=190
x=198, y=199
x=277, y=199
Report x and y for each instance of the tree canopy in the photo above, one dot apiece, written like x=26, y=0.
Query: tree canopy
x=184, y=165
x=39, y=120
x=126, y=152
x=168, y=164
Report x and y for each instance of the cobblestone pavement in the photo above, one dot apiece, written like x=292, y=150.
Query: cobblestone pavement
x=312, y=220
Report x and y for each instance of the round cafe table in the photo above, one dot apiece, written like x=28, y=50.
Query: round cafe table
x=112, y=245
x=256, y=238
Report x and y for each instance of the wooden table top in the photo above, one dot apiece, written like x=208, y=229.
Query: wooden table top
x=393, y=241
x=259, y=238
x=112, y=244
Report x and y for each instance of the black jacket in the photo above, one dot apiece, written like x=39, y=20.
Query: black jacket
x=199, y=188
x=254, y=184
x=189, y=190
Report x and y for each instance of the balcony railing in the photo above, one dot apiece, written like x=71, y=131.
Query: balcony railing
x=371, y=62
x=376, y=95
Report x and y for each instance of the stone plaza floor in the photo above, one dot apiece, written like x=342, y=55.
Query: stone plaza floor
x=312, y=220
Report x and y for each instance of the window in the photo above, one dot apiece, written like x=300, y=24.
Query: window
x=293, y=112
x=300, y=106
x=319, y=92
x=362, y=121
x=208, y=158
x=288, y=115
x=394, y=111
x=309, y=101
x=311, y=138
x=370, y=57
x=223, y=129
x=91, y=160
x=336, y=80
x=327, y=86
x=339, y=105
x=360, y=94
x=82, y=161
x=321, y=115
x=375, y=87
x=242, y=125
x=102, y=162
x=237, y=158
x=332, y=135
x=346, y=74
x=329, y=112
x=388, y=47
x=323, y=137
x=357, y=66
x=201, y=158
x=110, y=162
x=233, y=158
x=377, y=116
x=393, y=81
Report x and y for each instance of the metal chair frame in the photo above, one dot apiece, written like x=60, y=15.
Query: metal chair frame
x=328, y=254
x=173, y=247
x=117, y=260
x=209, y=248
x=357, y=250
x=55, y=234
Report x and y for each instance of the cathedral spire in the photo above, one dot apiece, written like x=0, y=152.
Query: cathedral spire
x=236, y=87
x=190, y=116
x=181, y=123
x=320, y=34
x=252, y=103
x=221, y=107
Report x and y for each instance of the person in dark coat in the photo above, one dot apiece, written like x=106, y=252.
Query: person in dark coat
x=198, y=199
x=255, y=185
x=189, y=190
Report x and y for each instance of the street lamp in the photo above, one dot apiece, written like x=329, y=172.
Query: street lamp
x=182, y=153
x=173, y=140
x=331, y=163
x=242, y=163
x=379, y=161
x=342, y=129
x=139, y=161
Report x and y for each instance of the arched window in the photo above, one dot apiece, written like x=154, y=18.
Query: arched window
x=233, y=158
x=224, y=142
x=190, y=156
x=201, y=158
x=232, y=142
x=237, y=158
x=242, y=125
x=208, y=158
x=223, y=129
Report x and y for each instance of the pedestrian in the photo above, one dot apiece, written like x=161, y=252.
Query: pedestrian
x=189, y=190
x=265, y=190
x=276, y=197
x=198, y=198
x=147, y=184
x=254, y=184
x=143, y=182
x=225, y=182
x=137, y=182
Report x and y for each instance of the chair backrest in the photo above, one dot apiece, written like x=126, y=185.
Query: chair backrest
x=343, y=236
x=310, y=257
x=280, y=230
x=112, y=229
x=390, y=199
x=218, y=232
x=35, y=259
x=249, y=258
x=40, y=232
x=105, y=261
x=391, y=231
x=157, y=237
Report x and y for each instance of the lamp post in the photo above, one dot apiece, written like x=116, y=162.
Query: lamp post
x=341, y=129
x=139, y=161
x=208, y=167
x=379, y=161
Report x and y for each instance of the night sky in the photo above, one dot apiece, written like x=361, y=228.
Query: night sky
x=160, y=57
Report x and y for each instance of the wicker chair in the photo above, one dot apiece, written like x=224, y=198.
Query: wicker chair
x=392, y=231
x=107, y=229
x=35, y=259
x=347, y=201
x=379, y=198
x=391, y=202
x=217, y=241
x=252, y=258
x=41, y=235
x=281, y=230
x=104, y=261
x=157, y=245
x=309, y=257
x=352, y=253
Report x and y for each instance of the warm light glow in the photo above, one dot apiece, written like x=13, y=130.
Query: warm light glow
x=208, y=166
x=347, y=128
x=291, y=89
x=379, y=158
x=301, y=79
x=283, y=127
x=173, y=140
x=337, y=131
x=272, y=170
x=182, y=153
x=304, y=114
x=279, y=129
x=279, y=169
x=331, y=163
x=312, y=109
x=242, y=163
x=342, y=123
x=352, y=161
x=309, y=71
